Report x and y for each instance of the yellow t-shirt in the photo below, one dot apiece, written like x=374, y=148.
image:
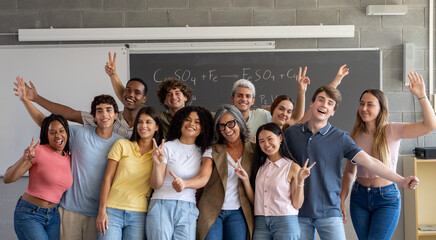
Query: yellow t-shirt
x=131, y=184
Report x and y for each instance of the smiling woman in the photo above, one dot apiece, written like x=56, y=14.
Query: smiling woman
x=174, y=164
x=49, y=177
x=226, y=209
x=126, y=184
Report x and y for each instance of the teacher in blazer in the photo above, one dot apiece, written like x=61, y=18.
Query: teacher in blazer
x=225, y=210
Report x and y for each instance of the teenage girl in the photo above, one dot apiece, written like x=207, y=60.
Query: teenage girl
x=278, y=182
x=172, y=214
x=126, y=184
x=375, y=202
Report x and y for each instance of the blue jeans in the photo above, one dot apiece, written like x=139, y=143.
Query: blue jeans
x=34, y=222
x=276, y=227
x=375, y=210
x=233, y=221
x=171, y=219
x=124, y=224
x=327, y=228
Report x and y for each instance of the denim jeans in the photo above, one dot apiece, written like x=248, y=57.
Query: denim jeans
x=171, y=219
x=124, y=224
x=327, y=228
x=375, y=210
x=34, y=222
x=276, y=227
x=230, y=225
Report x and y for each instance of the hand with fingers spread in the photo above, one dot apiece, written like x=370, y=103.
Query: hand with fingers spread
x=158, y=154
x=178, y=183
x=304, y=172
x=303, y=80
x=416, y=85
x=240, y=172
x=29, y=152
x=111, y=68
x=23, y=91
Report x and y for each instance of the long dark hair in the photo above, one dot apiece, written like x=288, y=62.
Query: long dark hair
x=260, y=156
x=43, y=135
x=203, y=140
x=154, y=114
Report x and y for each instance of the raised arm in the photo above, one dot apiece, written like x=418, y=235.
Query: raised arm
x=102, y=219
x=342, y=72
x=159, y=167
x=111, y=71
x=21, y=92
x=377, y=167
x=298, y=112
x=428, y=124
x=55, y=108
x=17, y=170
x=347, y=181
x=196, y=182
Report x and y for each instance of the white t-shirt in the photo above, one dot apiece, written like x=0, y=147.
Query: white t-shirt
x=184, y=161
x=231, y=199
x=257, y=118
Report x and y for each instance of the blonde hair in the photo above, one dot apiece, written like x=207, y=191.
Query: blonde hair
x=380, y=148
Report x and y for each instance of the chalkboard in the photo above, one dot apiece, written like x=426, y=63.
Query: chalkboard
x=68, y=74
x=273, y=73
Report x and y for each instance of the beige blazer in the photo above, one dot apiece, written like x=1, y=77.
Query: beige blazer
x=212, y=198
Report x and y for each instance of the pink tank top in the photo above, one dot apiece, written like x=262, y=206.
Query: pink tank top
x=50, y=176
x=273, y=191
x=394, y=131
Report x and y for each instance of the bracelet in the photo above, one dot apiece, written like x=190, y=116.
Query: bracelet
x=300, y=185
x=422, y=97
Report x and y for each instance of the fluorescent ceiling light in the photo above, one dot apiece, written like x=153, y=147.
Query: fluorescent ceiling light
x=186, y=33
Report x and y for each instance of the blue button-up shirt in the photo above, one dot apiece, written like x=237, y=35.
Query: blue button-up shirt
x=327, y=148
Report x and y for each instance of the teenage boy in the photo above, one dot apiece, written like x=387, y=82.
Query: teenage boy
x=173, y=93
x=89, y=148
x=320, y=142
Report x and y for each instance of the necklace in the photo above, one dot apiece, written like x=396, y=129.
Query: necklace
x=183, y=149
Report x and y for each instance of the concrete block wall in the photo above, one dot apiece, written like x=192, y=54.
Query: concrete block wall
x=385, y=32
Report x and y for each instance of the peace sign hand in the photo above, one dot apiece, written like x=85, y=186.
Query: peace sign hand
x=239, y=171
x=110, y=67
x=29, y=152
x=158, y=154
x=304, y=171
x=178, y=183
x=303, y=80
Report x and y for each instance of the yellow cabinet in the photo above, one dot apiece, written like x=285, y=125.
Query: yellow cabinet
x=420, y=205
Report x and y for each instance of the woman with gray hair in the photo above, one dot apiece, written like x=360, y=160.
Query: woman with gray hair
x=225, y=209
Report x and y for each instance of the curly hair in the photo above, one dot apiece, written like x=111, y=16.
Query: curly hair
x=103, y=98
x=172, y=83
x=43, y=135
x=204, y=140
x=154, y=114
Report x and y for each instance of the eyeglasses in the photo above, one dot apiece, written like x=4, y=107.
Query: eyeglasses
x=229, y=124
